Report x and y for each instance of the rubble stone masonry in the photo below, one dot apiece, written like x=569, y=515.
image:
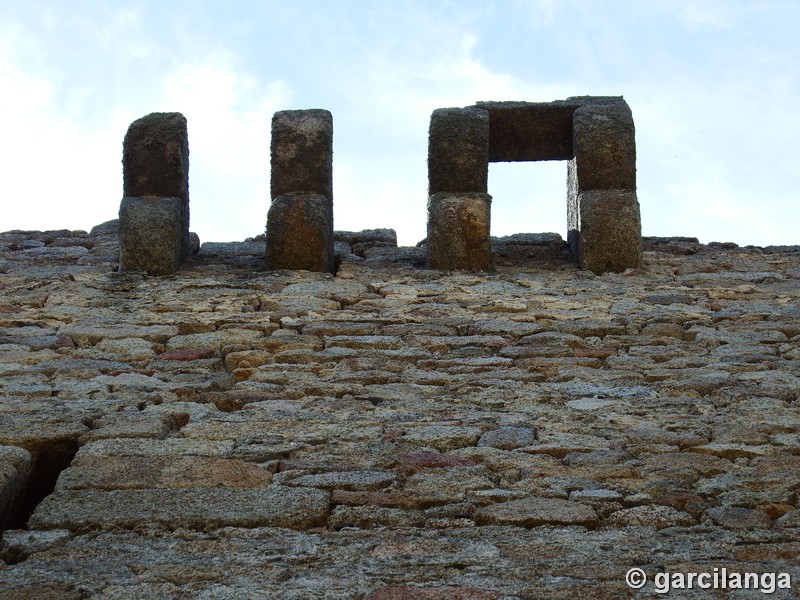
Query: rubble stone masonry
x=392, y=431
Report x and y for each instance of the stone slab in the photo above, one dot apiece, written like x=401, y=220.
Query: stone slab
x=526, y=131
x=533, y=512
x=197, y=508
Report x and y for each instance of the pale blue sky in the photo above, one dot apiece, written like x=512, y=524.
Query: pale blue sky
x=712, y=84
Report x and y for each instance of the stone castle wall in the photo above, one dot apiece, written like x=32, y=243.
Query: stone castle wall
x=394, y=431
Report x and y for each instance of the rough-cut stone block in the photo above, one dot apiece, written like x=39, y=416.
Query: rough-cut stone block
x=604, y=147
x=458, y=231
x=458, y=150
x=302, y=152
x=15, y=466
x=526, y=131
x=150, y=234
x=196, y=508
x=300, y=233
x=607, y=230
x=155, y=162
x=533, y=512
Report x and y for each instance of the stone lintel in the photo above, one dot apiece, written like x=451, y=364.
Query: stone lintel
x=302, y=152
x=155, y=162
x=150, y=233
x=527, y=131
x=606, y=231
x=458, y=150
x=458, y=231
x=300, y=233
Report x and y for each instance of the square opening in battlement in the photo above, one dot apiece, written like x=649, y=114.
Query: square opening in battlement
x=528, y=197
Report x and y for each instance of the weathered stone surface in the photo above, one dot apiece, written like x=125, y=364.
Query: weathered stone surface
x=213, y=340
x=525, y=131
x=604, y=146
x=508, y=438
x=92, y=332
x=187, y=354
x=300, y=233
x=150, y=234
x=18, y=544
x=458, y=231
x=443, y=437
x=408, y=592
x=155, y=162
x=650, y=516
x=664, y=400
x=15, y=466
x=199, y=508
x=738, y=517
x=458, y=151
x=607, y=234
x=435, y=459
x=346, y=480
x=533, y=512
x=302, y=153
x=452, y=484
x=109, y=472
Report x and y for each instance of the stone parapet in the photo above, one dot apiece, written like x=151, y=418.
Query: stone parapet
x=300, y=219
x=594, y=133
x=155, y=162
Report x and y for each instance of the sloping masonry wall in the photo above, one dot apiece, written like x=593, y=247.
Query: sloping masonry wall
x=394, y=431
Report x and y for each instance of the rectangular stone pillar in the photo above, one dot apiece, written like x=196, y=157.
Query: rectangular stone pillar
x=458, y=231
x=300, y=233
x=155, y=162
x=458, y=150
x=300, y=218
x=150, y=230
x=602, y=180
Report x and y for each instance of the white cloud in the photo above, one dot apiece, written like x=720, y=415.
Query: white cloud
x=710, y=14
x=712, y=97
x=394, y=96
x=56, y=153
x=228, y=112
x=55, y=174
